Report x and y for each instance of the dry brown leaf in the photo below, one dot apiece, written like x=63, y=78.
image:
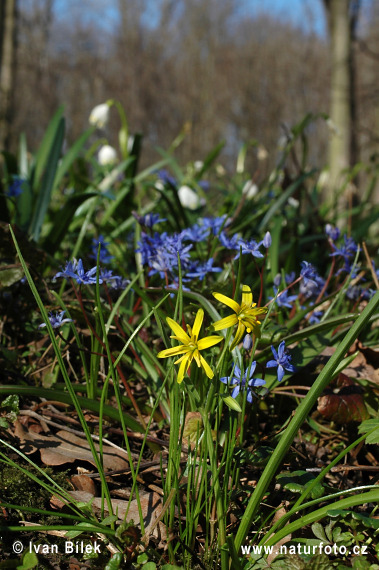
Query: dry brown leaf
x=65, y=447
x=150, y=506
x=84, y=483
x=345, y=403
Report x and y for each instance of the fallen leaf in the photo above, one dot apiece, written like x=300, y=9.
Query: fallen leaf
x=345, y=404
x=65, y=447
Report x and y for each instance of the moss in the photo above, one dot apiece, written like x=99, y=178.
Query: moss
x=18, y=488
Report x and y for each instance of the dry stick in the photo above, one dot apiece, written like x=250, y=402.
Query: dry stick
x=70, y=430
x=123, y=379
x=369, y=261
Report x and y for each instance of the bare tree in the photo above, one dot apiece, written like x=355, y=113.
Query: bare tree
x=8, y=24
x=342, y=18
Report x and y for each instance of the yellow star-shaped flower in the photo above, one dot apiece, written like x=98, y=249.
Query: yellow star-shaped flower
x=246, y=315
x=190, y=347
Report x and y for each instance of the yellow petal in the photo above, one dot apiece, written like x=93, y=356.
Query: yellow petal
x=225, y=323
x=172, y=351
x=247, y=296
x=197, y=324
x=182, y=370
x=208, y=341
x=207, y=368
x=227, y=301
x=239, y=335
x=179, y=332
x=196, y=355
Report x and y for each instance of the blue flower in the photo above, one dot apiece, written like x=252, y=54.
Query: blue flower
x=290, y=277
x=229, y=243
x=75, y=270
x=312, y=288
x=16, y=188
x=166, y=177
x=267, y=240
x=244, y=383
x=56, y=320
x=315, y=317
x=247, y=342
x=214, y=224
x=308, y=272
x=104, y=256
x=251, y=247
x=200, y=270
x=204, y=185
x=195, y=233
x=332, y=232
x=347, y=250
x=284, y=299
x=149, y=220
x=282, y=360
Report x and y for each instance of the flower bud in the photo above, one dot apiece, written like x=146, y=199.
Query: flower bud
x=247, y=342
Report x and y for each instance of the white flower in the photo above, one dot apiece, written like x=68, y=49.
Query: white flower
x=189, y=199
x=99, y=115
x=107, y=155
x=250, y=190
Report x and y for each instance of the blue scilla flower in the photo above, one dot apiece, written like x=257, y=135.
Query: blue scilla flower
x=75, y=270
x=247, y=342
x=166, y=177
x=347, y=251
x=243, y=383
x=332, y=232
x=312, y=287
x=148, y=220
x=284, y=299
x=104, y=256
x=249, y=247
x=267, y=240
x=282, y=361
x=229, y=242
x=16, y=188
x=200, y=270
x=308, y=272
x=196, y=233
x=56, y=320
x=214, y=224
x=315, y=317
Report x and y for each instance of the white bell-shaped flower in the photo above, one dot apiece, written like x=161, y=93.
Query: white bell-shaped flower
x=107, y=155
x=99, y=116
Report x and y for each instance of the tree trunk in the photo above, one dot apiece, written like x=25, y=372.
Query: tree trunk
x=8, y=21
x=342, y=147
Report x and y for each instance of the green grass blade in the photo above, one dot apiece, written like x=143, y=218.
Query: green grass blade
x=300, y=416
x=44, y=194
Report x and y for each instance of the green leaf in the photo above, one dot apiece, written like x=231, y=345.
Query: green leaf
x=63, y=219
x=368, y=425
x=43, y=153
x=115, y=562
x=232, y=403
x=298, y=481
x=70, y=156
x=109, y=520
x=29, y=561
x=46, y=186
x=10, y=276
x=12, y=402
x=318, y=530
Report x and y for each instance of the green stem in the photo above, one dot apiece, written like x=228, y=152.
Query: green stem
x=300, y=416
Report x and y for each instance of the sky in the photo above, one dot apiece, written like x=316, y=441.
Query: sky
x=307, y=14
